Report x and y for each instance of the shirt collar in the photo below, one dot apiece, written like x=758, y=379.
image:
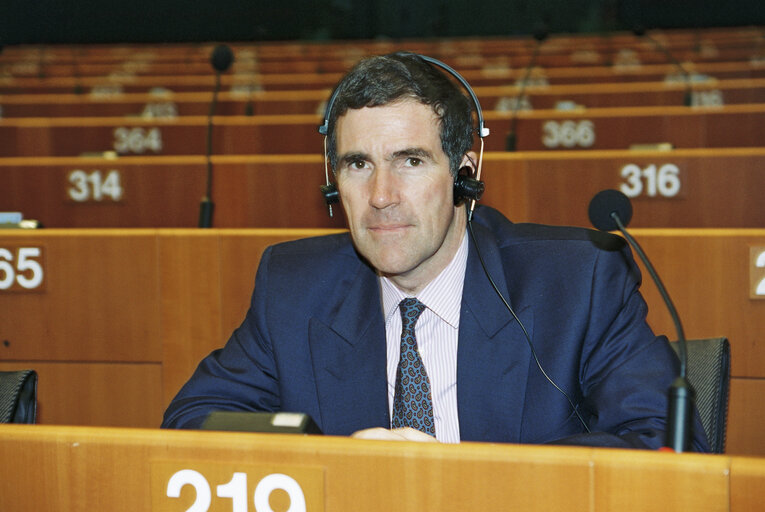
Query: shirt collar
x=443, y=295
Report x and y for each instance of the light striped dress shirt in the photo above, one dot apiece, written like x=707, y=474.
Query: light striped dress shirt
x=437, y=331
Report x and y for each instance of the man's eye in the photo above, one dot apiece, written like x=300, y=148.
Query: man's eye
x=413, y=162
x=358, y=164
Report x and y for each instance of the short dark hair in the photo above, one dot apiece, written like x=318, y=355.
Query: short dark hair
x=381, y=80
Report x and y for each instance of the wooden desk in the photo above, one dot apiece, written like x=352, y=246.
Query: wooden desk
x=540, y=130
x=553, y=54
x=619, y=128
x=605, y=94
x=717, y=92
x=681, y=188
x=492, y=75
x=166, y=191
x=74, y=469
x=555, y=188
x=122, y=317
x=708, y=272
x=694, y=44
x=113, y=306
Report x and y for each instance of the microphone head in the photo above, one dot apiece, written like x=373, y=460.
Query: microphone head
x=540, y=32
x=604, y=204
x=638, y=30
x=221, y=58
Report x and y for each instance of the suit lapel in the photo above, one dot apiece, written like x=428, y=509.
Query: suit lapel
x=348, y=354
x=493, y=355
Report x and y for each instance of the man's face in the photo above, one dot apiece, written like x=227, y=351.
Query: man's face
x=396, y=188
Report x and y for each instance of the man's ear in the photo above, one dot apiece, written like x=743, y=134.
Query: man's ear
x=470, y=160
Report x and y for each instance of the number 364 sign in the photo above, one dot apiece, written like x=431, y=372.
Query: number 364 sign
x=217, y=487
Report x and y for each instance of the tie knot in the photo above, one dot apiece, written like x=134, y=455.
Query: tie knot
x=411, y=309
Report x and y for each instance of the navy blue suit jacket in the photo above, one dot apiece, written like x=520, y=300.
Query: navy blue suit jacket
x=313, y=341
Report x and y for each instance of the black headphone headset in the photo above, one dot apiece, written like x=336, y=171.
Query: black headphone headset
x=466, y=187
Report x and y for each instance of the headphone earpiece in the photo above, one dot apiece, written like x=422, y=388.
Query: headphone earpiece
x=467, y=188
x=330, y=193
x=329, y=189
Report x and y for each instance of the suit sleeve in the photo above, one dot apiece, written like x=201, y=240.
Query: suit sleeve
x=625, y=370
x=239, y=377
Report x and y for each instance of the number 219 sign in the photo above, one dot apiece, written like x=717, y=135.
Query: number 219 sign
x=210, y=487
x=757, y=272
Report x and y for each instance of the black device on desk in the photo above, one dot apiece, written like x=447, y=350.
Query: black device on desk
x=276, y=422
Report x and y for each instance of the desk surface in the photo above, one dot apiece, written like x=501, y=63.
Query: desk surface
x=84, y=468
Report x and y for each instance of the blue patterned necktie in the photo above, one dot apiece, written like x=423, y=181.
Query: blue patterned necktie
x=412, y=401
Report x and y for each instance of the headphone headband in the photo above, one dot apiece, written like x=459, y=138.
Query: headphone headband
x=465, y=186
x=482, y=130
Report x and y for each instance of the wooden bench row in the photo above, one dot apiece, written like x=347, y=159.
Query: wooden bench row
x=295, y=51
x=116, y=320
x=640, y=54
x=315, y=57
x=505, y=98
x=495, y=75
x=681, y=188
x=596, y=128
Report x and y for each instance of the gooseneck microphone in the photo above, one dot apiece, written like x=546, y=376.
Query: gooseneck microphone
x=2, y=64
x=688, y=96
x=511, y=141
x=610, y=210
x=221, y=59
x=41, y=63
x=78, y=88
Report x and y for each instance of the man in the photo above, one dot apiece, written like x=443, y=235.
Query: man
x=395, y=331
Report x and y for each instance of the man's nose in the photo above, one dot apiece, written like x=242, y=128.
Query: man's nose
x=384, y=189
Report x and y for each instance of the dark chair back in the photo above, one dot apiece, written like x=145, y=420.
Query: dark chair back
x=18, y=396
x=709, y=374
